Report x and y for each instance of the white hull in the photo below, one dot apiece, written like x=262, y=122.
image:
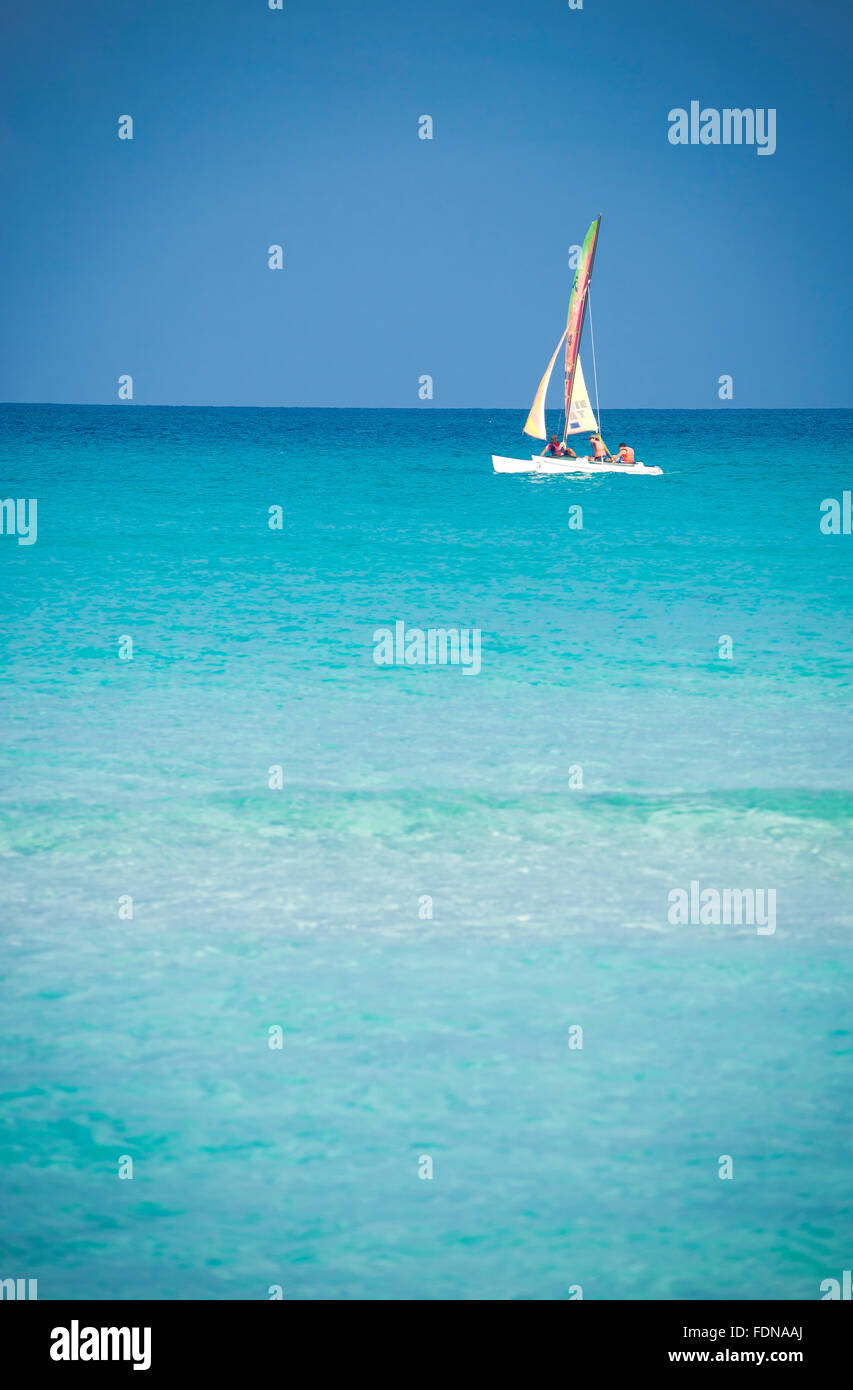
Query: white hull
x=537, y=464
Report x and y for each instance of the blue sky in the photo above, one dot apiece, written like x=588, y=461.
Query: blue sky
x=405, y=256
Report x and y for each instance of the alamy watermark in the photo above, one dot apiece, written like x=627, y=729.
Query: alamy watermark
x=837, y=517
x=19, y=1288
x=838, y=1289
x=15, y=520
x=76, y=1343
x=714, y=907
x=706, y=125
x=435, y=646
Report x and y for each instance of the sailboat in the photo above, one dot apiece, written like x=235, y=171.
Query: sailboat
x=578, y=413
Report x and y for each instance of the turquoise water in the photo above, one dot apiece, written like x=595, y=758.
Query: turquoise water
x=406, y=1035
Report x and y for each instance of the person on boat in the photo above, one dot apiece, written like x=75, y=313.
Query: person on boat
x=601, y=454
x=626, y=455
x=558, y=450
x=553, y=447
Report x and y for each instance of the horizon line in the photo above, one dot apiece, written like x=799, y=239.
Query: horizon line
x=411, y=409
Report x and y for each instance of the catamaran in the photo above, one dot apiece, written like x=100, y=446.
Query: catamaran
x=578, y=413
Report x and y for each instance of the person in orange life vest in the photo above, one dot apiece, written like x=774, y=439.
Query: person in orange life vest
x=626, y=455
x=601, y=454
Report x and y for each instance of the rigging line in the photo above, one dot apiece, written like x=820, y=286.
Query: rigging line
x=594, y=367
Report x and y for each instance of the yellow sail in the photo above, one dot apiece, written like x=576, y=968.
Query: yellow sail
x=581, y=416
x=536, y=419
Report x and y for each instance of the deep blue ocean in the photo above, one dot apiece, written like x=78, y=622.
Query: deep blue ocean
x=542, y=811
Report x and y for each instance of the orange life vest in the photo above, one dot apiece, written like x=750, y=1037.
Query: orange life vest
x=626, y=454
x=600, y=451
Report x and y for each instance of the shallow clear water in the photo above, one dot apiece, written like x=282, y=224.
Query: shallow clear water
x=404, y=1035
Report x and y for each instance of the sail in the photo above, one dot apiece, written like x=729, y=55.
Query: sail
x=535, y=423
x=577, y=310
x=581, y=415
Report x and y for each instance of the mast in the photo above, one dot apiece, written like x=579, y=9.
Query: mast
x=577, y=313
x=535, y=423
